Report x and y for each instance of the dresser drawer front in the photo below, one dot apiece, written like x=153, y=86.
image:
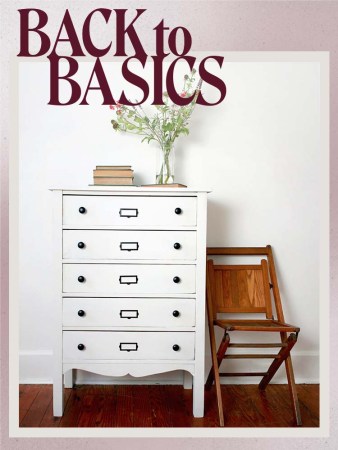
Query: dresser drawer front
x=129, y=278
x=128, y=312
x=129, y=245
x=128, y=211
x=123, y=345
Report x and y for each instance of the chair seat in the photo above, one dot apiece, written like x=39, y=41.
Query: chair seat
x=255, y=325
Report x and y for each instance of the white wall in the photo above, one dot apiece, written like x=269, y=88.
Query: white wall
x=258, y=152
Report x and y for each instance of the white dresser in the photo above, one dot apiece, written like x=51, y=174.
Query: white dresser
x=129, y=284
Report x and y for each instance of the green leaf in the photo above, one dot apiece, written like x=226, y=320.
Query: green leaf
x=168, y=127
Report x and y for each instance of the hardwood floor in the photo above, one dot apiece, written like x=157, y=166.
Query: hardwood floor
x=166, y=406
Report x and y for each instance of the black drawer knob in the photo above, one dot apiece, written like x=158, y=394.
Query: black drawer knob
x=82, y=210
x=177, y=246
x=176, y=313
x=81, y=313
x=81, y=347
x=81, y=279
x=176, y=347
x=81, y=245
x=176, y=279
x=178, y=211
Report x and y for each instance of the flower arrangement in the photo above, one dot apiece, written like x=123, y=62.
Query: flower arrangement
x=164, y=126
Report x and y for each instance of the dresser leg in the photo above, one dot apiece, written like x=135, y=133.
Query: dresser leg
x=58, y=401
x=198, y=396
x=187, y=380
x=68, y=377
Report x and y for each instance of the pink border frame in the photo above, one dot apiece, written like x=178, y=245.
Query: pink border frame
x=223, y=26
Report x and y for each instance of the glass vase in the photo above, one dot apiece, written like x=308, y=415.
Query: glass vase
x=165, y=160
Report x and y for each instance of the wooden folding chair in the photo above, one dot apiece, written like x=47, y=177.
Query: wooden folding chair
x=246, y=289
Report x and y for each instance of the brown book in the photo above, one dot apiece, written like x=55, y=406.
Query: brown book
x=172, y=185
x=113, y=167
x=113, y=173
x=113, y=180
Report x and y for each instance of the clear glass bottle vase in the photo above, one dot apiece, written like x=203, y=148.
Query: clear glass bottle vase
x=165, y=160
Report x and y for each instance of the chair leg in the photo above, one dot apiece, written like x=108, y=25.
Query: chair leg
x=220, y=353
x=276, y=363
x=285, y=357
x=217, y=359
x=293, y=390
x=214, y=372
x=219, y=397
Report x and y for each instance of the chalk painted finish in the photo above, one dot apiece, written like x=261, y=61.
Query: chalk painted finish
x=128, y=312
x=129, y=284
x=128, y=245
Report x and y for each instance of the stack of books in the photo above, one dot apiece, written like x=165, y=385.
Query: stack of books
x=113, y=175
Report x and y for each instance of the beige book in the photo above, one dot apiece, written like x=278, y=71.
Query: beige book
x=113, y=180
x=113, y=173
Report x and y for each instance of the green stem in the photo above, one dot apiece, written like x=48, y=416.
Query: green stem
x=152, y=129
x=192, y=106
x=167, y=164
x=165, y=173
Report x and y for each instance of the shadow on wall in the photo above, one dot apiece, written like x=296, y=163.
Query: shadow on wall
x=217, y=233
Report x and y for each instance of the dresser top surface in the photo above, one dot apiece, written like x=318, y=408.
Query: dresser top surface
x=130, y=189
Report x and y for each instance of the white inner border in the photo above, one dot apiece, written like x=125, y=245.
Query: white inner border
x=323, y=184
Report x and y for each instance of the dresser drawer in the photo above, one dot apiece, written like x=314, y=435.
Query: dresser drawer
x=129, y=245
x=133, y=345
x=128, y=312
x=129, y=278
x=91, y=210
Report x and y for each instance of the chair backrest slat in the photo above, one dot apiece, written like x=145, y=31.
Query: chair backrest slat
x=212, y=311
x=275, y=288
x=238, y=250
x=266, y=283
x=241, y=288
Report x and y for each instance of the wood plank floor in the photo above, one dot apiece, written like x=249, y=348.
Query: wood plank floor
x=166, y=406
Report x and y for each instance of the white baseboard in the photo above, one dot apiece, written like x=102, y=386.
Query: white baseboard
x=36, y=368
x=305, y=365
